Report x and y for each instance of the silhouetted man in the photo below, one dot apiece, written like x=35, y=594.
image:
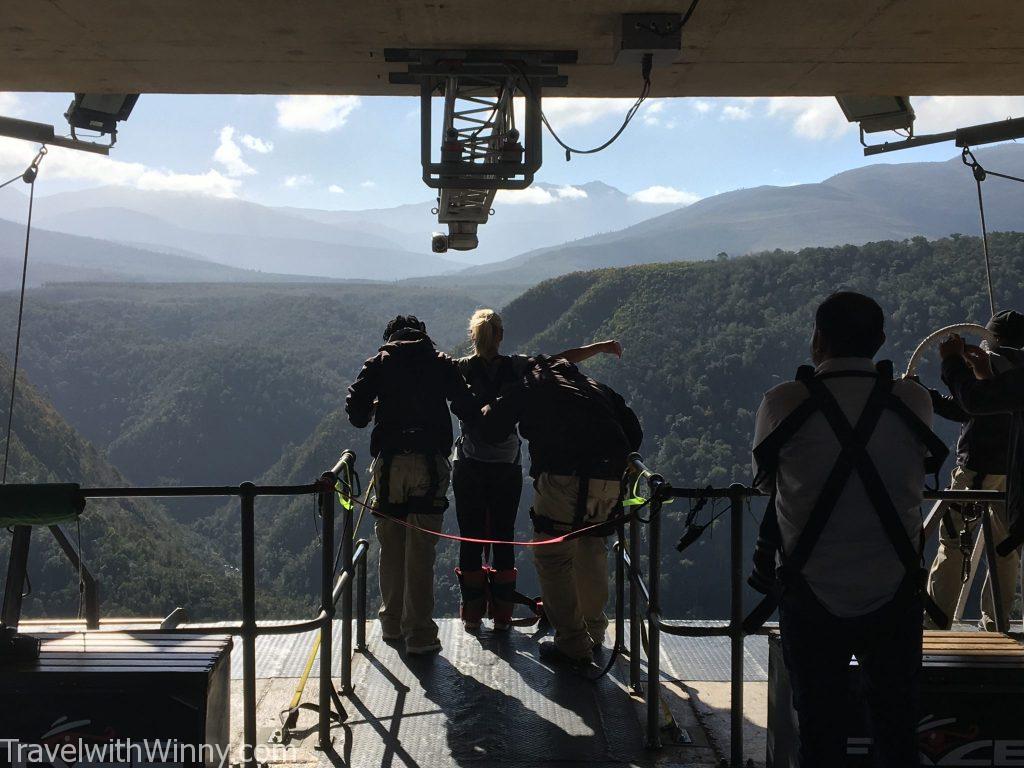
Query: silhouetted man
x=406, y=387
x=581, y=433
x=842, y=450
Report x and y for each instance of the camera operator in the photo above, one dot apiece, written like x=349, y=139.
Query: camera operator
x=968, y=372
x=980, y=465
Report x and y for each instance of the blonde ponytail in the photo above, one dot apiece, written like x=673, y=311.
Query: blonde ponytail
x=485, y=330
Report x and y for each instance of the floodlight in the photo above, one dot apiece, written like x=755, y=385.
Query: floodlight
x=100, y=112
x=878, y=113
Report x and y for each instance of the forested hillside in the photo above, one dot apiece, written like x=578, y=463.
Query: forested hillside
x=208, y=383
x=232, y=383
x=703, y=341
x=145, y=561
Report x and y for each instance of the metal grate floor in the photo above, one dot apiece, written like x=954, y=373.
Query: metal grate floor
x=484, y=700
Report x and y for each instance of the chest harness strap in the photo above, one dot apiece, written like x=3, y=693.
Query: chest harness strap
x=853, y=457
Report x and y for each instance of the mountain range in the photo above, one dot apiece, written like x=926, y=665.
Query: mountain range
x=116, y=233
x=875, y=202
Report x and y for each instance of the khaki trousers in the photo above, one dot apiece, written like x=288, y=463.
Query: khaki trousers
x=574, y=574
x=406, y=565
x=944, y=578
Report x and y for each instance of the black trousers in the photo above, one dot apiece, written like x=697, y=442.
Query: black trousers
x=486, y=502
x=817, y=647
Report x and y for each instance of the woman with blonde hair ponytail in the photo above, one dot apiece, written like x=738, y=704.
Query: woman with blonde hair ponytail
x=485, y=331
x=488, y=477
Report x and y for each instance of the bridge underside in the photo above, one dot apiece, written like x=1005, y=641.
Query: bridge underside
x=730, y=47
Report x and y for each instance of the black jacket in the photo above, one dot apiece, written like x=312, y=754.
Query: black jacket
x=406, y=388
x=983, y=440
x=1002, y=394
x=575, y=425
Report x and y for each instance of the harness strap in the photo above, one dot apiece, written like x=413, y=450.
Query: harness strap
x=854, y=446
x=854, y=441
x=853, y=456
x=582, y=494
x=425, y=504
x=766, y=453
x=385, y=482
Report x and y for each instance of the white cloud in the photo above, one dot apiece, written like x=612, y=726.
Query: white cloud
x=528, y=196
x=84, y=166
x=936, y=114
x=10, y=104
x=229, y=154
x=298, y=180
x=336, y=189
x=664, y=195
x=571, y=193
x=702, y=106
x=257, y=145
x=651, y=110
x=368, y=184
x=812, y=117
x=735, y=112
x=820, y=117
x=569, y=112
x=315, y=113
x=539, y=195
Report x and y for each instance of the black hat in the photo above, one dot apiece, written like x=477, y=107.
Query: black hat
x=1008, y=325
x=402, y=323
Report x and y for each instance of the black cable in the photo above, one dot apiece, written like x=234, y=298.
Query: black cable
x=630, y=114
x=689, y=13
x=30, y=177
x=1004, y=176
x=984, y=243
x=968, y=159
x=11, y=181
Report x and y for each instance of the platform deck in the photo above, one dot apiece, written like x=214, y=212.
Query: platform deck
x=489, y=699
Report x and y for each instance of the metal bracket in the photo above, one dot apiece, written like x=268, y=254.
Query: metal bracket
x=481, y=149
x=43, y=133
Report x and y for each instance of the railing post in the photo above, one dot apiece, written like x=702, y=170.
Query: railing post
x=88, y=583
x=1002, y=625
x=620, y=587
x=346, y=602
x=17, y=567
x=361, y=597
x=249, y=629
x=654, y=620
x=736, y=494
x=635, y=643
x=327, y=606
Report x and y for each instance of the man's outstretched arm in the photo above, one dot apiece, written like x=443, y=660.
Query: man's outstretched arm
x=579, y=354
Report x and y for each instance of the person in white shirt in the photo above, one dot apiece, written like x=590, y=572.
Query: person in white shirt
x=843, y=450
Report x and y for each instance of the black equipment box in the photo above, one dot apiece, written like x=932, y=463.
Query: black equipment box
x=972, y=694
x=166, y=694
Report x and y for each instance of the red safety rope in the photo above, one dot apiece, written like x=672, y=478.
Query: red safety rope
x=568, y=536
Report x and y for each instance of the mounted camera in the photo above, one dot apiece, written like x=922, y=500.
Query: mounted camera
x=461, y=237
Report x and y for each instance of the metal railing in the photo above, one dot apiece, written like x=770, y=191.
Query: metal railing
x=352, y=558
x=647, y=593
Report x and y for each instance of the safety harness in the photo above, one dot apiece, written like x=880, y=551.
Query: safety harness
x=429, y=503
x=544, y=524
x=853, y=457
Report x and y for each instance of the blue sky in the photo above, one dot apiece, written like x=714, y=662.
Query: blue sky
x=352, y=153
